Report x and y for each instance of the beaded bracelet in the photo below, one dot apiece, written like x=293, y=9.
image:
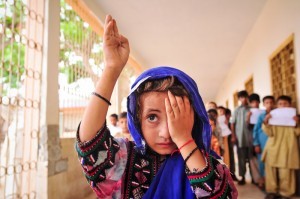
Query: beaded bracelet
x=191, y=153
x=103, y=98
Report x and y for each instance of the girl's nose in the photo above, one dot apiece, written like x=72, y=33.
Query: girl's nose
x=164, y=131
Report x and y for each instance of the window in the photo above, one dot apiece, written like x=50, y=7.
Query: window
x=235, y=99
x=283, y=71
x=249, y=85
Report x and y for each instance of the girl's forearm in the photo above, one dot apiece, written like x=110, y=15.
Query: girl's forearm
x=95, y=113
x=196, y=159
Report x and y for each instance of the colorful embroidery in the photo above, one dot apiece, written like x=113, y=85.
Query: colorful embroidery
x=141, y=170
x=212, y=181
x=114, y=168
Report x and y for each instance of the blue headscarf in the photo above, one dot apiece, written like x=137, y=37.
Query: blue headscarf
x=171, y=180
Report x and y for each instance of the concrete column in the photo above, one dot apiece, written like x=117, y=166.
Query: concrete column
x=49, y=160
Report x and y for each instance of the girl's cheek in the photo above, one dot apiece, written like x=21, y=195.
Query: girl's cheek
x=152, y=124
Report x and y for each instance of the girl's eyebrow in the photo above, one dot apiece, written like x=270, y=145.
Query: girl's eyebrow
x=152, y=110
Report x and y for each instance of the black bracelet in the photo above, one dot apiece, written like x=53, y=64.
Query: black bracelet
x=103, y=98
x=191, y=153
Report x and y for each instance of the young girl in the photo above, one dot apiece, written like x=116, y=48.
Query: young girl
x=170, y=156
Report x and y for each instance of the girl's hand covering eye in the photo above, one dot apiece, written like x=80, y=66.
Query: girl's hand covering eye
x=180, y=116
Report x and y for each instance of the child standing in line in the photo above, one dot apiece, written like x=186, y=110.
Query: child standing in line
x=230, y=147
x=113, y=126
x=241, y=134
x=217, y=132
x=254, y=101
x=124, y=127
x=281, y=155
x=221, y=113
x=260, y=138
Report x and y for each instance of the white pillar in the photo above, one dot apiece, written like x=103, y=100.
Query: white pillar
x=49, y=143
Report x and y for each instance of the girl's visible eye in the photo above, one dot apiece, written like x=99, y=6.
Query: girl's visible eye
x=152, y=118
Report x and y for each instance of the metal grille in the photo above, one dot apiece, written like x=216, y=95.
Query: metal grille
x=21, y=36
x=81, y=63
x=283, y=73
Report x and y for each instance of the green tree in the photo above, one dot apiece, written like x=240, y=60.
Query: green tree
x=77, y=45
x=78, y=49
x=12, y=50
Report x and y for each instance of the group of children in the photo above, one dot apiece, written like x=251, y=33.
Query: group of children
x=171, y=154
x=220, y=141
x=118, y=126
x=271, y=151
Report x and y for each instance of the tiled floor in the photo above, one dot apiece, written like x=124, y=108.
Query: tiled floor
x=250, y=191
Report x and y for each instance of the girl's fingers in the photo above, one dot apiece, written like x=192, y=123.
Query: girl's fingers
x=169, y=110
x=124, y=41
x=115, y=29
x=188, y=108
x=110, y=28
x=187, y=104
x=180, y=104
x=173, y=103
x=108, y=18
x=108, y=31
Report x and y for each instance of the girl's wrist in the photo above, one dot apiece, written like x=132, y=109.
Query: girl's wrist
x=181, y=142
x=106, y=82
x=186, y=152
x=112, y=71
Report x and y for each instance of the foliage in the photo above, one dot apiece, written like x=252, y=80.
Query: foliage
x=80, y=48
x=78, y=42
x=12, y=50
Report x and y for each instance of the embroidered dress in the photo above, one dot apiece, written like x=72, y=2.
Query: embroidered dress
x=104, y=160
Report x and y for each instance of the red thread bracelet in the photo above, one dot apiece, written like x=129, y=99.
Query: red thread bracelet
x=178, y=150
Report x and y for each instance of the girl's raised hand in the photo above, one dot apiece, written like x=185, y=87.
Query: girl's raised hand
x=116, y=47
x=180, y=116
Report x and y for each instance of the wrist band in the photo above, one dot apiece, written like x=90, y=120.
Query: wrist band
x=103, y=98
x=191, y=153
x=178, y=150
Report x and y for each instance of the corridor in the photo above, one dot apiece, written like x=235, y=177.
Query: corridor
x=250, y=191
x=52, y=58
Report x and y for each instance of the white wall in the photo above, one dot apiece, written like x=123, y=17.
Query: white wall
x=278, y=20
